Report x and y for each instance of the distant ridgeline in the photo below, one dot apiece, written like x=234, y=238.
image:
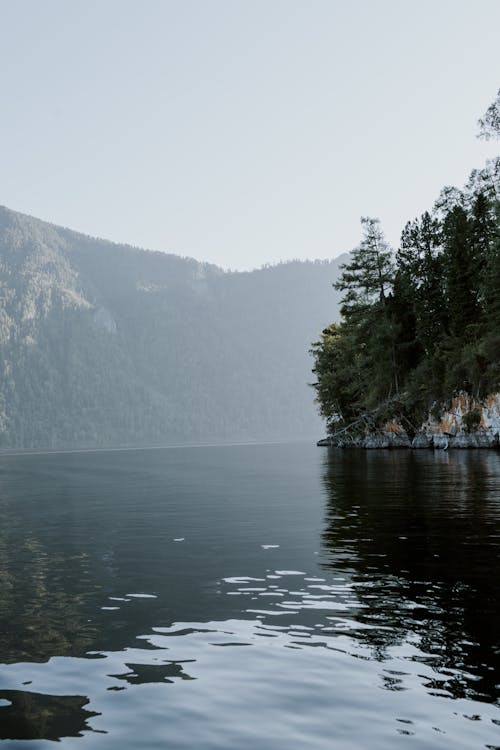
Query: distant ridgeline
x=102, y=344
x=420, y=330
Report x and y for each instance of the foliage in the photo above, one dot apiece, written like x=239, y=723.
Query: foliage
x=489, y=123
x=423, y=324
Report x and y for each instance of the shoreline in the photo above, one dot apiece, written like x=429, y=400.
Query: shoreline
x=466, y=423
x=443, y=443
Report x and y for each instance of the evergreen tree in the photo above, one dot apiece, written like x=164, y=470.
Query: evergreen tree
x=430, y=326
x=367, y=282
x=490, y=290
x=461, y=272
x=339, y=372
x=369, y=274
x=489, y=123
x=420, y=267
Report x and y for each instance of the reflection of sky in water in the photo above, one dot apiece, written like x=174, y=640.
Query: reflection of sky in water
x=291, y=666
x=262, y=597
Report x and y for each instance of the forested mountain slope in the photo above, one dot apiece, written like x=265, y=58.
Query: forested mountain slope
x=104, y=344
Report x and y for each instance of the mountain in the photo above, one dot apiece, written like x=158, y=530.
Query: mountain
x=104, y=344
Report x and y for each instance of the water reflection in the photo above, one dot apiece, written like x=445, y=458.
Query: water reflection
x=269, y=597
x=418, y=534
x=141, y=674
x=30, y=716
x=43, y=591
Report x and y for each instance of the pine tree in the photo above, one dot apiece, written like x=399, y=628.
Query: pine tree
x=461, y=272
x=489, y=123
x=369, y=275
x=420, y=266
x=367, y=282
x=430, y=326
x=339, y=375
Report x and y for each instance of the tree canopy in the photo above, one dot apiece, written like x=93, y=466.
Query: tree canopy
x=489, y=123
x=423, y=323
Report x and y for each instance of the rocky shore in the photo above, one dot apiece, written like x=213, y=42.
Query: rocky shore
x=467, y=423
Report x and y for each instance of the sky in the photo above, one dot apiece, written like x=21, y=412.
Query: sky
x=241, y=132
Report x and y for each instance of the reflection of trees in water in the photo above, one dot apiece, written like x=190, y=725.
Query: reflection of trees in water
x=419, y=533
x=142, y=674
x=41, y=612
x=32, y=716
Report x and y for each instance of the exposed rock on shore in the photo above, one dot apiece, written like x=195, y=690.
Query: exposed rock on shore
x=467, y=423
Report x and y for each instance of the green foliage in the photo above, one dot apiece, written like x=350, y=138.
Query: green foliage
x=424, y=325
x=419, y=269
x=369, y=273
x=366, y=308
x=339, y=369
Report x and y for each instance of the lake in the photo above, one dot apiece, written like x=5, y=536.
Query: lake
x=256, y=596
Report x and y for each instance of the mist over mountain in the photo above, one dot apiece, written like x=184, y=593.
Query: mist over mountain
x=104, y=344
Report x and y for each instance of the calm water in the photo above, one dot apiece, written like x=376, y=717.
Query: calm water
x=264, y=597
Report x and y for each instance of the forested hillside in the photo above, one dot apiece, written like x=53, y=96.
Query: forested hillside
x=102, y=344
x=422, y=324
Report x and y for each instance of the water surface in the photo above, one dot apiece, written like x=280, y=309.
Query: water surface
x=250, y=597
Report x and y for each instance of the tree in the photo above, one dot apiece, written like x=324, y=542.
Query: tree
x=485, y=180
x=461, y=272
x=428, y=327
x=420, y=265
x=367, y=282
x=490, y=298
x=369, y=275
x=339, y=375
x=489, y=123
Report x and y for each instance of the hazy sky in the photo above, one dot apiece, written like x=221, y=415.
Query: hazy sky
x=241, y=131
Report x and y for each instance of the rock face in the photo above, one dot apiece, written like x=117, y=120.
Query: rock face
x=468, y=423
x=392, y=435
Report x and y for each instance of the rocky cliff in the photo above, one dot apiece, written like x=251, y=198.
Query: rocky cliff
x=466, y=423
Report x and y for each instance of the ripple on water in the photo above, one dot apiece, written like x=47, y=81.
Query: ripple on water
x=204, y=684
